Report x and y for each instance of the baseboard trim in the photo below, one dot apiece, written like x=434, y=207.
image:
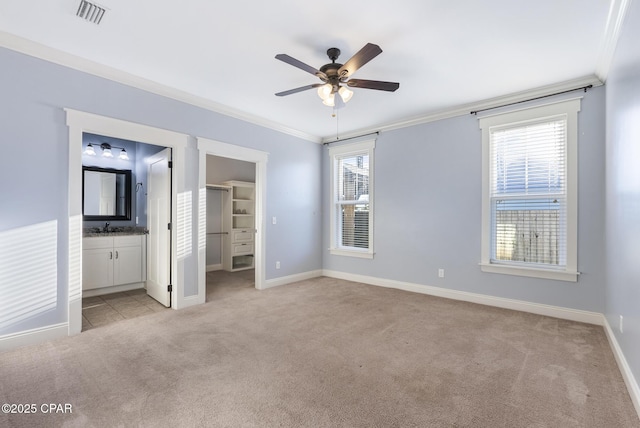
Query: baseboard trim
x=211, y=268
x=627, y=374
x=482, y=299
x=33, y=337
x=283, y=280
x=113, y=289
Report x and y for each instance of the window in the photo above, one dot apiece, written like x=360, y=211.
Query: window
x=529, y=207
x=352, y=199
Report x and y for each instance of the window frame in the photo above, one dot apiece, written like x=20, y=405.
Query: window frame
x=568, y=109
x=365, y=148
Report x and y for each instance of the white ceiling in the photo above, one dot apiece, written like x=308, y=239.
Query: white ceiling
x=445, y=54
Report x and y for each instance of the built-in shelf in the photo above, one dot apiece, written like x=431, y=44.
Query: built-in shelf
x=238, y=209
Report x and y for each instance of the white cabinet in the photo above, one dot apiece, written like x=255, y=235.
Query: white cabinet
x=113, y=260
x=239, y=223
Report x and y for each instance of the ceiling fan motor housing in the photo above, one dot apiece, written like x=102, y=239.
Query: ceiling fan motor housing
x=331, y=69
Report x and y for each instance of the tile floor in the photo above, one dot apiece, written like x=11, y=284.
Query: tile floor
x=102, y=310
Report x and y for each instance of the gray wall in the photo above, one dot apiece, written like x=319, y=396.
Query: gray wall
x=428, y=209
x=34, y=166
x=623, y=190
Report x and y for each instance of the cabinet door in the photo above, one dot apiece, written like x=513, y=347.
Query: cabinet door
x=127, y=266
x=97, y=268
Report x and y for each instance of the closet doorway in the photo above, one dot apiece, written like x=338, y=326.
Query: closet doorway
x=230, y=251
x=241, y=167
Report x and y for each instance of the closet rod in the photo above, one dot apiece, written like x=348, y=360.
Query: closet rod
x=217, y=188
x=217, y=233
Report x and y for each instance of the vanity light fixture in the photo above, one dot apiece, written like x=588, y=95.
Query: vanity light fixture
x=106, y=151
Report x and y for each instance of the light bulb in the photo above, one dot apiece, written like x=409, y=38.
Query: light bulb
x=324, y=91
x=89, y=150
x=345, y=93
x=123, y=155
x=330, y=101
x=106, y=153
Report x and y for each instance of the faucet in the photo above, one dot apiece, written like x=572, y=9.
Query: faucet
x=105, y=229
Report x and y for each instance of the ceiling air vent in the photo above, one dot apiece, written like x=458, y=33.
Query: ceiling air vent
x=90, y=12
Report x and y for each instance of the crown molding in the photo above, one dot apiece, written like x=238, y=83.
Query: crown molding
x=37, y=50
x=480, y=105
x=46, y=53
x=615, y=19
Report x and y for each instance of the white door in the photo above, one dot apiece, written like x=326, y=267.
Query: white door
x=159, y=218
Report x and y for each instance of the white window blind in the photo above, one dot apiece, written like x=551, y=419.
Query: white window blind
x=528, y=193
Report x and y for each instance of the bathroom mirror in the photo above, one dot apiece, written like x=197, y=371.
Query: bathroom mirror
x=106, y=193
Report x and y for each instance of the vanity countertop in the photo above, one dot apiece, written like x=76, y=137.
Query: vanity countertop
x=93, y=232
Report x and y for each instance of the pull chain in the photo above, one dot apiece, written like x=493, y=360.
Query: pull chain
x=335, y=114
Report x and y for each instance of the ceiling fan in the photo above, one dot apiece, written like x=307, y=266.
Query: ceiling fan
x=334, y=75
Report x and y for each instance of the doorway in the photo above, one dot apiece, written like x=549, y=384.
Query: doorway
x=231, y=154
x=230, y=223
x=81, y=122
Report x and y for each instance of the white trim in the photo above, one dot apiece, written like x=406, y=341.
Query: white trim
x=629, y=380
x=211, y=268
x=568, y=108
x=31, y=48
x=79, y=122
x=351, y=253
x=617, y=13
x=482, y=299
x=559, y=275
x=283, y=280
x=260, y=158
x=33, y=337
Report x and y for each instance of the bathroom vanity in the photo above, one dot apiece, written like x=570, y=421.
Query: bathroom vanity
x=113, y=262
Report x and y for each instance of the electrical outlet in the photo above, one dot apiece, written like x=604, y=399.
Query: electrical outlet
x=277, y=265
x=621, y=329
x=274, y=220
x=440, y=273
x=136, y=219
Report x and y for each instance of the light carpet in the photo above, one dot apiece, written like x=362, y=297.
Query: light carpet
x=323, y=353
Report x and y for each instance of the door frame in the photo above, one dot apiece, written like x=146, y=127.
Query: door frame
x=79, y=122
x=259, y=158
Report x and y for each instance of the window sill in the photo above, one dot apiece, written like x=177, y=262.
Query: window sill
x=350, y=253
x=530, y=272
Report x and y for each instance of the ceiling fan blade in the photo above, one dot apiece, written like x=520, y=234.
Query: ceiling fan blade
x=301, y=65
x=373, y=84
x=363, y=56
x=300, y=89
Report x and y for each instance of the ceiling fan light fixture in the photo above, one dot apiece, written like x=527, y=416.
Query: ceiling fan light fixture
x=345, y=93
x=330, y=100
x=325, y=91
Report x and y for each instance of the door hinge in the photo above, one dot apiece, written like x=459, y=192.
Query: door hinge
x=170, y=164
x=169, y=226
x=169, y=288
